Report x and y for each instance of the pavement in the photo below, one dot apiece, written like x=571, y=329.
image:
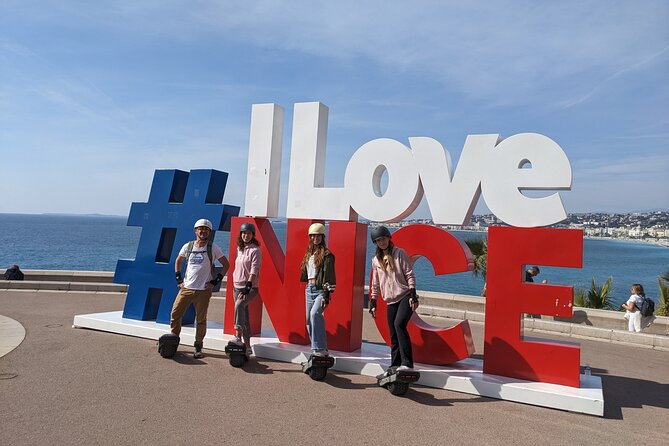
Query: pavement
x=75, y=386
x=11, y=335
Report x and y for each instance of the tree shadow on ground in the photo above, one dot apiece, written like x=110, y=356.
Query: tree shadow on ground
x=578, y=317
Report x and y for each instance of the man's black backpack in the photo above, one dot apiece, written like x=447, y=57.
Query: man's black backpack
x=647, y=307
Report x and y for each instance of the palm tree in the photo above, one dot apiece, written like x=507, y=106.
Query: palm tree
x=663, y=282
x=595, y=297
x=479, y=249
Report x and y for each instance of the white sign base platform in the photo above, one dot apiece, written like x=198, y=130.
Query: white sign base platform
x=464, y=376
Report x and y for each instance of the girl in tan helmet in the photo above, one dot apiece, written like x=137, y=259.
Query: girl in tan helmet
x=318, y=270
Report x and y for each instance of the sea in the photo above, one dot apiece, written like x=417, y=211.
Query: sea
x=96, y=243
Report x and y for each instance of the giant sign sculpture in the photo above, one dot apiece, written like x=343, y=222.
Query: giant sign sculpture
x=167, y=223
x=498, y=169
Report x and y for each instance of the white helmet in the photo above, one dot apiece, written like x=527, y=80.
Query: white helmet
x=317, y=228
x=203, y=222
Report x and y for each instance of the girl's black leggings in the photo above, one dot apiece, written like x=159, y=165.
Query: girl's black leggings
x=399, y=314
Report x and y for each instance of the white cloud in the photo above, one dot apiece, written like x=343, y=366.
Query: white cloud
x=633, y=166
x=505, y=52
x=634, y=66
x=499, y=52
x=118, y=121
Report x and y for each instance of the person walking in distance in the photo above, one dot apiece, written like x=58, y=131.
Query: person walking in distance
x=633, y=305
x=394, y=280
x=196, y=284
x=245, y=279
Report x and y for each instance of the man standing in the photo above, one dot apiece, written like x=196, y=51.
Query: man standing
x=531, y=273
x=196, y=284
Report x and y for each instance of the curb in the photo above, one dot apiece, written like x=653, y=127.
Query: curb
x=646, y=340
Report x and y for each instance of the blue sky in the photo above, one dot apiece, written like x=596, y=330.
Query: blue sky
x=94, y=96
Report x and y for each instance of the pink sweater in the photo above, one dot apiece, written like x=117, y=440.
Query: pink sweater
x=393, y=285
x=247, y=262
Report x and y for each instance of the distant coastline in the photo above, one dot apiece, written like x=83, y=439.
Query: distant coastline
x=55, y=243
x=64, y=214
x=661, y=242
x=481, y=222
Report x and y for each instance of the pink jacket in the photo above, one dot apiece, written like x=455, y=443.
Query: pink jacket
x=392, y=285
x=247, y=262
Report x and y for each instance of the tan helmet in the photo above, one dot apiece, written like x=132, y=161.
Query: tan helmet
x=317, y=228
x=203, y=222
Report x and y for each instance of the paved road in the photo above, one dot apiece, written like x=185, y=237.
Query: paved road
x=76, y=386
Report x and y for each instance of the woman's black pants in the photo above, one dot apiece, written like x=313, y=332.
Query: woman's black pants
x=399, y=314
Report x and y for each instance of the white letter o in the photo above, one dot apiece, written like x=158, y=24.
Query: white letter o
x=363, y=177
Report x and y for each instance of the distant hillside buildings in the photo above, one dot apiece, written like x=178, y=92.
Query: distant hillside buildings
x=646, y=226
x=653, y=226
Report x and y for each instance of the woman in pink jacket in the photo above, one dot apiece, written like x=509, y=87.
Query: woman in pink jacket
x=394, y=280
x=245, y=280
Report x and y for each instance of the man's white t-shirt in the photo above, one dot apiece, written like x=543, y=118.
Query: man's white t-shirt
x=198, y=266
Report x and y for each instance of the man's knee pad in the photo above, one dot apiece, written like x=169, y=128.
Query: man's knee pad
x=168, y=344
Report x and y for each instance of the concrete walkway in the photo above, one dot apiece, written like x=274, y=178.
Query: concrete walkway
x=82, y=387
x=12, y=334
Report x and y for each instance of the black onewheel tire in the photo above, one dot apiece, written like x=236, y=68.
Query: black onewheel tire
x=237, y=360
x=318, y=373
x=398, y=388
x=168, y=353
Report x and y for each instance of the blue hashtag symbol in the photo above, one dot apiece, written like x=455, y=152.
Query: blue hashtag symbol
x=177, y=199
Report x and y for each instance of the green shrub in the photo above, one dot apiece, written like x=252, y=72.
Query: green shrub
x=579, y=297
x=663, y=307
x=595, y=297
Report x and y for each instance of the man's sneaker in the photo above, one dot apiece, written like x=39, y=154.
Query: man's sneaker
x=249, y=351
x=197, y=354
x=237, y=341
x=322, y=352
x=404, y=368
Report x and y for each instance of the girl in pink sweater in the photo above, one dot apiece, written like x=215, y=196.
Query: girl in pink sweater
x=245, y=280
x=393, y=279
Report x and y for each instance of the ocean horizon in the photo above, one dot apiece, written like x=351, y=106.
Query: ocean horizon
x=97, y=242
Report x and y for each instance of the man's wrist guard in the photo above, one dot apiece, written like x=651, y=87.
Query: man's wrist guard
x=180, y=279
x=412, y=294
x=218, y=279
x=372, y=305
x=247, y=288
